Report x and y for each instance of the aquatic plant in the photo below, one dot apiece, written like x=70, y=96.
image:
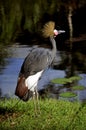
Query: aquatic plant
x=78, y=87
x=67, y=94
x=65, y=80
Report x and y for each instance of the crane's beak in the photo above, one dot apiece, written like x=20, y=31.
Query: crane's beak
x=56, y=32
x=61, y=31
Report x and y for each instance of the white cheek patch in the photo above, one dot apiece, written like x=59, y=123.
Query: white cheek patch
x=32, y=81
x=55, y=32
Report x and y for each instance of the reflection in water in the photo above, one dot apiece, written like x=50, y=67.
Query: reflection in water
x=62, y=68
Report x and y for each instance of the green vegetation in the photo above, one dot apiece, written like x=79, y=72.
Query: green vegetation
x=69, y=83
x=67, y=94
x=78, y=87
x=60, y=81
x=55, y=115
x=65, y=80
x=19, y=15
x=3, y=54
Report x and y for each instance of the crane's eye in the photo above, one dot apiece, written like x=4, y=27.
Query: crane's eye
x=55, y=32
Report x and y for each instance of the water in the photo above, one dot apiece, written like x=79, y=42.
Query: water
x=9, y=74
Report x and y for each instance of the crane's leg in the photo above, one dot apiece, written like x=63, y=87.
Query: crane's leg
x=36, y=102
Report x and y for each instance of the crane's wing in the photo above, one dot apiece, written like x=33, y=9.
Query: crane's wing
x=38, y=59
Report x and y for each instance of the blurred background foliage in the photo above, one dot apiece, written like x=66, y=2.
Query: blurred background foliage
x=17, y=17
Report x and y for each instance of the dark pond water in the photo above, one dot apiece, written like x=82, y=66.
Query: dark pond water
x=9, y=73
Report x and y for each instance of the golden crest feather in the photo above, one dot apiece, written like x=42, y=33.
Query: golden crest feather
x=48, y=29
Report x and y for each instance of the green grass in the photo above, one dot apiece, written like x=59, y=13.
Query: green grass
x=55, y=115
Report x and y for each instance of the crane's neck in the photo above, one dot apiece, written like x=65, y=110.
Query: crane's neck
x=53, y=42
x=53, y=51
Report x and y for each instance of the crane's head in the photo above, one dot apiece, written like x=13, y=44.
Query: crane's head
x=50, y=31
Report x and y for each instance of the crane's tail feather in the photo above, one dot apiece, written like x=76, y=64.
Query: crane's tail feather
x=21, y=90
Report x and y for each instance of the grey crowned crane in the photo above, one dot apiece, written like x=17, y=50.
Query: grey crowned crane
x=35, y=63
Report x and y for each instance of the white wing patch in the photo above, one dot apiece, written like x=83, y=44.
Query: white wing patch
x=32, y=81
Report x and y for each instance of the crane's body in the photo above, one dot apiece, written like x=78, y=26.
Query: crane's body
x=35, y=63
x=32, y=68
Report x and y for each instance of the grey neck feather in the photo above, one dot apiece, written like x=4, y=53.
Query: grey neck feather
x=53, y=42
x=54, y=49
